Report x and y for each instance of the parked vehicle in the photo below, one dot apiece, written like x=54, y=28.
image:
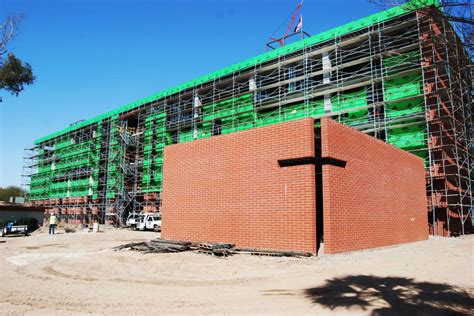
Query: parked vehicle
x=132, y=220
x=12, y=229
x=149, y=221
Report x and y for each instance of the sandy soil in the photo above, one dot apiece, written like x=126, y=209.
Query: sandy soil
x=79, y=274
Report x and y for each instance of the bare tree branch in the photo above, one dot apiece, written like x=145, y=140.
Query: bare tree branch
x=8, y=31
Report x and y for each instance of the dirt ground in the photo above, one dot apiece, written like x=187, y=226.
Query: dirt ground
x=78, y=273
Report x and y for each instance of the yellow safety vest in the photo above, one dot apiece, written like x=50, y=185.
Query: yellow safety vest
x=52, y=220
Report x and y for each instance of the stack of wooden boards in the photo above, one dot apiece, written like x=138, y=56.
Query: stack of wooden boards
x=217, y=249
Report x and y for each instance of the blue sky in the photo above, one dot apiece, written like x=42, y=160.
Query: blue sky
x=92, y=56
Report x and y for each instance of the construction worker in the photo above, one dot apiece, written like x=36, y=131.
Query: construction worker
x=52, y=223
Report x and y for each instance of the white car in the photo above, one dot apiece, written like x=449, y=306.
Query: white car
x=149, y=221
x=132, y=220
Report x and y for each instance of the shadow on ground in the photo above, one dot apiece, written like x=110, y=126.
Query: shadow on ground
x=393, y=296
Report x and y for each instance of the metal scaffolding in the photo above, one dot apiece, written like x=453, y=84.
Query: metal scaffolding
x=396, y=76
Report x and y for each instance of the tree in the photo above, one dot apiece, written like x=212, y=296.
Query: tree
x=456, y=12
x=6, y=193
x=14, y=74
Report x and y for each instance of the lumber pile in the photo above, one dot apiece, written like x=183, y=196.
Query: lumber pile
x=217, y=249
x=156, y=246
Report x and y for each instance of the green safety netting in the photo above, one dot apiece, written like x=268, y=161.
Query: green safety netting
x=405, y=108
x=403, y=87
x=408, y=137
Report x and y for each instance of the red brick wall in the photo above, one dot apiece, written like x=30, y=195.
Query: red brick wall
x=378, y=199
x=230, y=188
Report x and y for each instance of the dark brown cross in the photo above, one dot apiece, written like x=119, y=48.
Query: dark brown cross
x=317, y=161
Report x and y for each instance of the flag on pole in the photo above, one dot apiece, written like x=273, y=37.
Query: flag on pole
x=299, y=25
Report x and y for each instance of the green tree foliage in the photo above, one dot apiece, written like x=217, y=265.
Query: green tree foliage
x=14, y=75
x=6, y=193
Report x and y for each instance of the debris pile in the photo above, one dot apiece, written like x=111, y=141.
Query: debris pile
x=157, y=246
x=218, y=249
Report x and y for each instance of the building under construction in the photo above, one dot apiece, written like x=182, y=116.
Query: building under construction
x=401, y=75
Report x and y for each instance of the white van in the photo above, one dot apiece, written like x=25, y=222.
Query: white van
x=149, y=221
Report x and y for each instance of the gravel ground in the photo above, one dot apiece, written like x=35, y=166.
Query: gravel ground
x=78, y=273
